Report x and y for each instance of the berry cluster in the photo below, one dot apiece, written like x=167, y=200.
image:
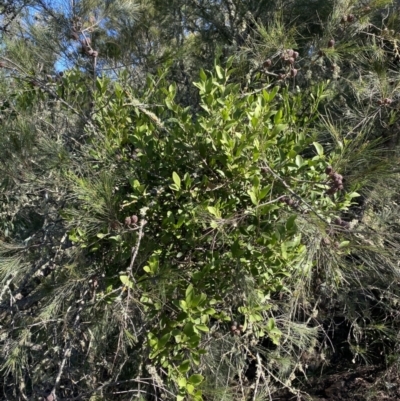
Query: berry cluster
x=336, y=181
x=131, y=220
x=288, y=57
x=236, y=329
x=385, y=102
x=348, y=18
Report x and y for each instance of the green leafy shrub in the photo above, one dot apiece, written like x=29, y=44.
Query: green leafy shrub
x=212, y=199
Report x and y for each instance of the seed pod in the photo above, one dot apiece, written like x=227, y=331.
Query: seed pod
x=290, y=202
x=326, y=241
x=350, y=18
x=128, y=221
x=387, y=101
x=296, y=55
x=92, y=53
x=233, y=327
x=267, y=63
x=344, y=19
x=329, y=170
x=290, y=60
x=338, y=221
x=240, y=327
x=331, y=43
x=337, y=177
x=237, y=332
x=293, y=72
x=281, y=76
x=290, y=52
x=134, y=219
x=340, y=187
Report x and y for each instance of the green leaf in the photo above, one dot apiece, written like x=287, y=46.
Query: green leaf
x=219, y=71
x=203, y=75
x=101, y=236
x=214, y=211
x=202, y=328
x=183, y=305
x=264, y=192
x=270, y=324
x=278, y=116
x=319, y=148
x=196, y=379
x=198, y=300
x=184, y=366
x=163, y=340
x=290, y=224
x=278, y=129
x=189, y=295
x=182, y=382
x=177, y=180
x=299, y=161
x=190, y=388
x=253, y=197
x=126, y=281
x=188, y=329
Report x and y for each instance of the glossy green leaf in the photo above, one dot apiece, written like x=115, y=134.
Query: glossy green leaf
x=196, y=379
